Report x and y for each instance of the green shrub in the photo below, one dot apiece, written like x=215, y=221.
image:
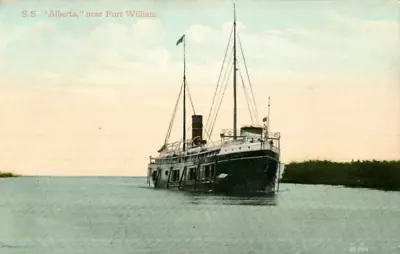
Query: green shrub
x=7, y=174
x=369, y=174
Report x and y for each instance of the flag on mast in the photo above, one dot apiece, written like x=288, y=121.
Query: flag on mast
x=180, y=40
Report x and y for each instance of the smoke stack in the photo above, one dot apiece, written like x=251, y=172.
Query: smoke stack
x=197, y=129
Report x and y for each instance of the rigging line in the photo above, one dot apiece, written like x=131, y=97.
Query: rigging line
x=248, y=77
x=209, y=136
x=219, y=106
x=220, y=103
x=218, y=94
x=187, y=130
x=191, y=101
x=173, y=116
x=170, y=127
x=250, y=106
x=221, y=92
x=223, y=62
x=194, y=111
x=190, y=97
x=246, y=95
x=219, y=78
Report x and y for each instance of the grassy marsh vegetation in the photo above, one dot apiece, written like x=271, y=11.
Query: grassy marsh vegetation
x=384, y=175
x=7, y=174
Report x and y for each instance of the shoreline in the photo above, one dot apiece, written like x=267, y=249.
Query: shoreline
x=8, y=174
x=381, y=175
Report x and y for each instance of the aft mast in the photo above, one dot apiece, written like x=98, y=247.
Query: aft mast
x=269, y=116
x=234, y=75
x=184, y=89
x=184, y=93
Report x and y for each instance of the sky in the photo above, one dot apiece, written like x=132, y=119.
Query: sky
x=95, y=95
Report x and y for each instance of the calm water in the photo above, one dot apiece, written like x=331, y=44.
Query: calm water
x=120, y=215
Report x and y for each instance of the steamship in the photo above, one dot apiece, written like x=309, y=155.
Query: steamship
x=242, y=161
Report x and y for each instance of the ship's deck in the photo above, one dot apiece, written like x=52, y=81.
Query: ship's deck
x=242, y=144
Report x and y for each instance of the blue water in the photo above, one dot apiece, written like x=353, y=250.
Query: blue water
x=122, y=215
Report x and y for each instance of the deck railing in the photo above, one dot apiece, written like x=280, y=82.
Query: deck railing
x=269, y=140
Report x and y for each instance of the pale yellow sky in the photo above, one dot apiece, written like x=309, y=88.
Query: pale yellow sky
x=97, y=100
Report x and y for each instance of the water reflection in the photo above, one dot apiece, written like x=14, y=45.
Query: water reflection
x=210, y=198
x=264, y=199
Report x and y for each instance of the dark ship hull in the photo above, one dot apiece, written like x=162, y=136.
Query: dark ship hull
x=248, y=172
x=237, y=173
